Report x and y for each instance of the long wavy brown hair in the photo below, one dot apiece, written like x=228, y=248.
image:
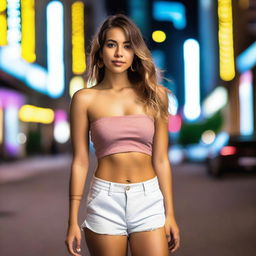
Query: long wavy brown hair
x=146, y=74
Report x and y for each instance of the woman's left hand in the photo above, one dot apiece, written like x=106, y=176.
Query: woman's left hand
x=172, y=233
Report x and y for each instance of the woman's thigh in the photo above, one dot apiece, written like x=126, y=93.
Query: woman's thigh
x=150, y=243
x=105, y=245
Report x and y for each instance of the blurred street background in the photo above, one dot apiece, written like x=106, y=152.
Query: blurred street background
x=207, y=50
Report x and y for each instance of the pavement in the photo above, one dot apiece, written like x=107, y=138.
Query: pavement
x=215, y=217
x=21, y=169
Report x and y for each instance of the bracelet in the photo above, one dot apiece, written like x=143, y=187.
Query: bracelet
x=71, y=197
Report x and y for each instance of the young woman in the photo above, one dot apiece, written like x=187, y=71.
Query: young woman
x=130, y=196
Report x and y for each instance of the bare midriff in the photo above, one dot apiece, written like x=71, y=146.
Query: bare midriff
x=126, y=167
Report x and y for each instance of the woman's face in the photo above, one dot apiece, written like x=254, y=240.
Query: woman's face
x=117, y=53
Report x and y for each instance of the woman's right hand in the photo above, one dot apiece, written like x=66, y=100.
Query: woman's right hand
x=73, y=239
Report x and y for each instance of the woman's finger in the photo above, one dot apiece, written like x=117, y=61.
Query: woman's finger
x=176, y=244
x=171, y=244
x=170, y=241
x=70, y=248
x=78, y=244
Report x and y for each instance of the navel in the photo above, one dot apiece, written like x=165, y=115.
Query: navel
x=128, y=180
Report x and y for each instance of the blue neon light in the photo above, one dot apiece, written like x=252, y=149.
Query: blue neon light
x=51, y=81
x=247, y=59
x=246, y=104
x=12, y=130
x=55, y=48
x=14, y=25
x=170, y=11
x=159, y=58
x=138, y=13
x=192, y=108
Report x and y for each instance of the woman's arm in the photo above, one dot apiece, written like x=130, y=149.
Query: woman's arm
x=160, y=158
x=163, y=170
x=79, y=126
x=80, y=148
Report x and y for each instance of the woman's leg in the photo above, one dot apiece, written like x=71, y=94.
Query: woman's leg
x=150, y=243
x=105, y=245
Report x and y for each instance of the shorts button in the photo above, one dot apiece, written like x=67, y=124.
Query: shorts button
x=127, y=187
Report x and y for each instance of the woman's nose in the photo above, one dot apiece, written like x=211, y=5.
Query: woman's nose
x=119, y=52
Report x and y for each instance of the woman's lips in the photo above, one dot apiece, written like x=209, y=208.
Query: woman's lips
x=118, y=63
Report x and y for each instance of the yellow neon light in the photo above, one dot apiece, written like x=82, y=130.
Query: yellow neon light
x=75, y=84
x=3, y=23
x=29, y=113
x=226, y=48
x=78, y=48
x=158, y=36
x=28, y=30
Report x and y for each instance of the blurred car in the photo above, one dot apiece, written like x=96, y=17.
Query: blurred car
x=231, y=153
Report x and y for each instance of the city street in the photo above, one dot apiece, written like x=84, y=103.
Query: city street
x=216, y=217
x=110, y=77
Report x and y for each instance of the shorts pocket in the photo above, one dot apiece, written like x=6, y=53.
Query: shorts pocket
x=92, y=195
x=154, y=202
x=156, y=193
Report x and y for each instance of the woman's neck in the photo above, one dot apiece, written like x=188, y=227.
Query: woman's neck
x=116, y=81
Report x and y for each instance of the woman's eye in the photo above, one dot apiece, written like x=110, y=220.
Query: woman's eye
x=110, y=45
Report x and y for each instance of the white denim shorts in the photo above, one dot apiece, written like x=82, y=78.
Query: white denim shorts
x=123, y=208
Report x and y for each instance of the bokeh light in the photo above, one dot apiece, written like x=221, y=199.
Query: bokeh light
x=208, y=137
x=158, y=36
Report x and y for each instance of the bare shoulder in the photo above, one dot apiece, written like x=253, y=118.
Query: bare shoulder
x=84, y=93
x=83, y=97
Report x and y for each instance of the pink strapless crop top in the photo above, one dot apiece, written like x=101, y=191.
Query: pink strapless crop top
x=118, y=134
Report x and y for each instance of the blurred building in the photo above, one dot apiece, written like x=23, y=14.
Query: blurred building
x=42, y=63
x=206, y=48
x=242, y=88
